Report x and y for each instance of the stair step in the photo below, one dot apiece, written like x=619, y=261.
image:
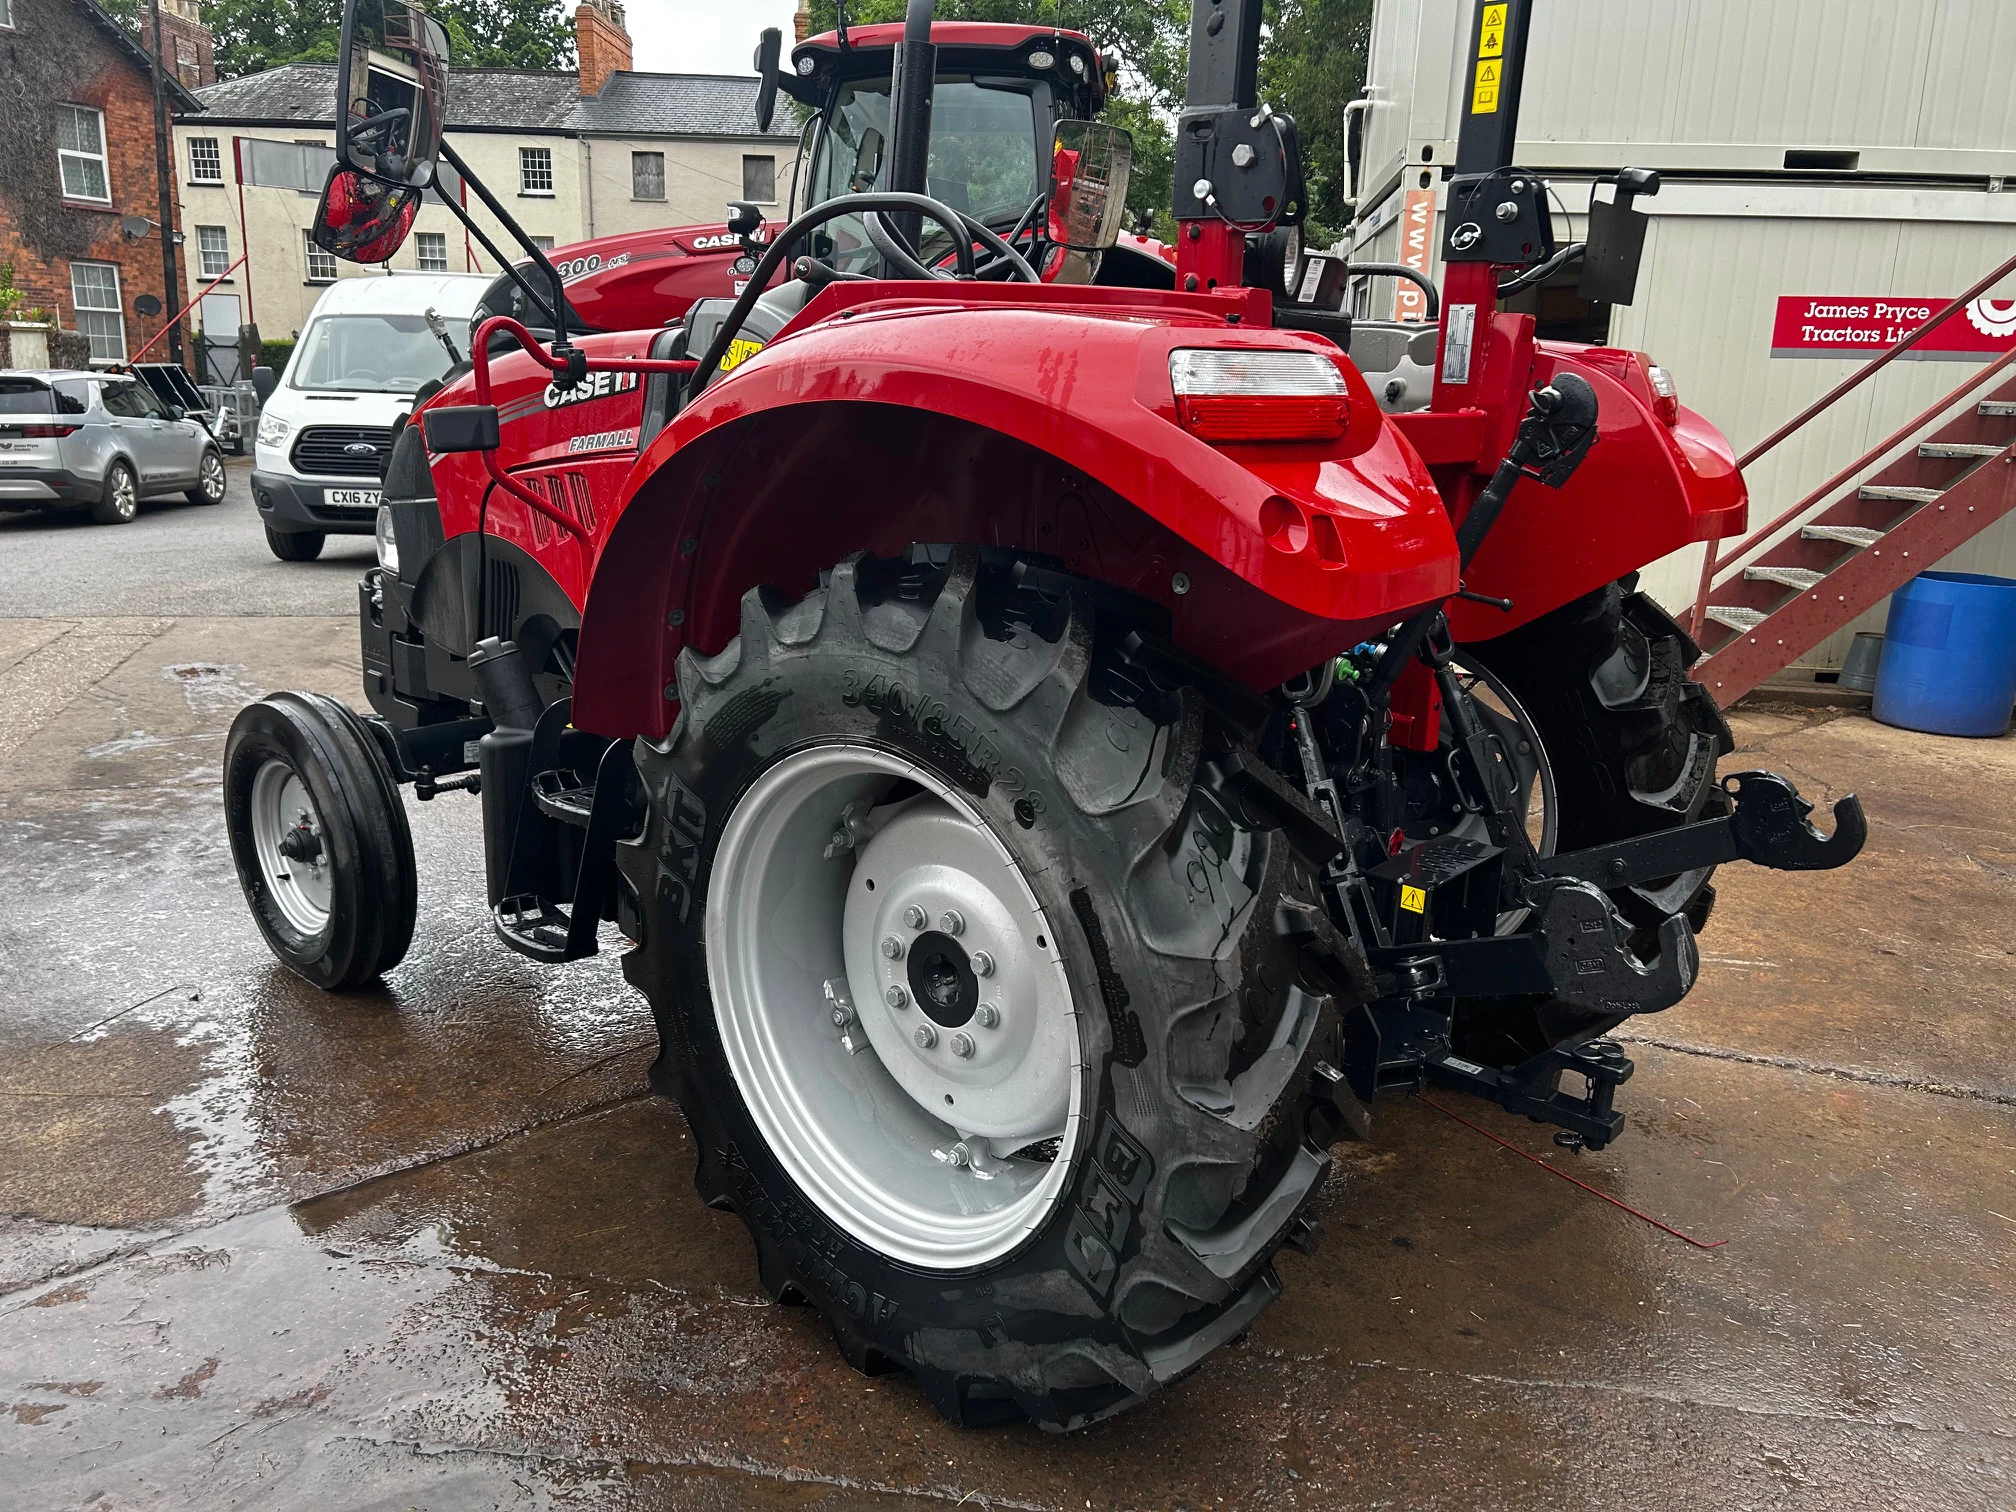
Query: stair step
x=1801, y=578
x=1960, y=449
x=1899, y=494
x=1736, y=618
x=1996, y=407
x=1846, y=535
x=564, y=795
x=533, y=926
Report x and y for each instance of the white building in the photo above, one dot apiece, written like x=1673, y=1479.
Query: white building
x=572, y=156
x=1807, y=148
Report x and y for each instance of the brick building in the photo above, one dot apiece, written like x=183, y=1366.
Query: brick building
x=77, y=164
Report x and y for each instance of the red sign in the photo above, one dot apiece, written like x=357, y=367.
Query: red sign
x=1828, y=325
x=1417, y=251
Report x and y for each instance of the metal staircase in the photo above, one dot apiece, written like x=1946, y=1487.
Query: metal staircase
x=1862, y=535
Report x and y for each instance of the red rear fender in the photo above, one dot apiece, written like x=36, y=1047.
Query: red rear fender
x=1006, y=427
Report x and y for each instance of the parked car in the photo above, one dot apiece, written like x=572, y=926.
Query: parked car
x=173, y=386
x=369, y=344
x=102, y=442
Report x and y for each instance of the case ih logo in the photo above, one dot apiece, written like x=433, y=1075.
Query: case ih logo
x=721, y=241
x=594, y=386
x=1865, y=325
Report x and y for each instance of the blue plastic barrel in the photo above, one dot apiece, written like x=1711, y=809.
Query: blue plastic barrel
x=1949, y=655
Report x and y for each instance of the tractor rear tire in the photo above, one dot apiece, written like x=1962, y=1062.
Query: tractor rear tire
x=1633, y=742
x=319, y=835
x=1166, y=946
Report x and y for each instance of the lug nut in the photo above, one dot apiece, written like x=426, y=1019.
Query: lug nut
x=915, y=917
x=896, y=997
x=987, y=1015
x=842, y=1018
x=893, y=948
x=983, y=963
x=962, y=1044
x=952, y=921
x=926, y=1036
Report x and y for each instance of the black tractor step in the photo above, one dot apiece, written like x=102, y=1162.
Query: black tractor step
x=535, y=927
x=565, y=795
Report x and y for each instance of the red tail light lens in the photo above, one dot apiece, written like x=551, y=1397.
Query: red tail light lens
x=49, y=432
x=1229, y=397
x=1665, y=395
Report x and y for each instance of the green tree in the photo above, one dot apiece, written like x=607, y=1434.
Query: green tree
x=1311, y=66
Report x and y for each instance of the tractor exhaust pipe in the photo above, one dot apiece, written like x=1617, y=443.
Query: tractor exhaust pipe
x=916, y=69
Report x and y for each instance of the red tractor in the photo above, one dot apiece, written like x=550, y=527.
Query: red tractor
x=1053, y=745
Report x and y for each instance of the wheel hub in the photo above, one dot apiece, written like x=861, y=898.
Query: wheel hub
x=293, y=857
x=893, y=1006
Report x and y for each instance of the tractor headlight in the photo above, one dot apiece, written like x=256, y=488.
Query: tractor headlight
x=273, y=430
x=388, y=541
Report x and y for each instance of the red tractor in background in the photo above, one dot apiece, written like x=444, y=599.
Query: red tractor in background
x=1055, y=746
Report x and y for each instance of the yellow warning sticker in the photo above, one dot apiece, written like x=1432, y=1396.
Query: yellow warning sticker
x=1413, y=899
x=1488, y=72
x=1484, y=100
x=738, y=353
x=1494, y=18
x=1492, y=44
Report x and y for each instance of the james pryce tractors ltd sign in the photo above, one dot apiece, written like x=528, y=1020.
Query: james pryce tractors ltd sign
x=1834, y=325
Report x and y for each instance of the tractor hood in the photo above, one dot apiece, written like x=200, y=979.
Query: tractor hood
x=636, y=281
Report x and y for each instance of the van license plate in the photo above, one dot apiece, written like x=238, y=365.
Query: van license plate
x=350, y=498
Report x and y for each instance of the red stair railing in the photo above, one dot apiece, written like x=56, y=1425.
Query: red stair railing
x=1713, y=562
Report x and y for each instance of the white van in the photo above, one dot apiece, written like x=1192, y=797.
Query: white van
x=368, y=345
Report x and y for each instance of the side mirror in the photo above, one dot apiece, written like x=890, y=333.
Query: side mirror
x=362, y=218
x=176, y=412
x=744, y=219
x=769, y=50
x=867, y=163
x=264, y=381
x=1090, y=164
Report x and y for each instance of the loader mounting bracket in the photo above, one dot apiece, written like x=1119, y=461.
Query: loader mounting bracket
x=1590, y=1121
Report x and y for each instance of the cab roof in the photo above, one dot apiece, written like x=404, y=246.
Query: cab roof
x=996, y=45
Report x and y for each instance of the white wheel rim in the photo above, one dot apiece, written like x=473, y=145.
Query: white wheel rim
x=213, y=476
x=287, y=835
x=125, y=493
x=910, y=1147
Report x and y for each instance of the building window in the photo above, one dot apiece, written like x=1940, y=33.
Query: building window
x=647, y=175
x=206, y=164
x=535, y=170
x=80, y=150
x=321, y=261
x=432, y=247
x=7, y=13
x=543, y=243
x=759, y=180
x=213, y=252
x=94, y=291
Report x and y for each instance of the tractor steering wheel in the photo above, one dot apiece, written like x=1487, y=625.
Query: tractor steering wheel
x=1007, y=259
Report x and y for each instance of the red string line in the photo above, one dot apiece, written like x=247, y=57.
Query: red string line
x=1557, y=1171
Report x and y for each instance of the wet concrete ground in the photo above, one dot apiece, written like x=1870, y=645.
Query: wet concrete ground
x=435, y=1247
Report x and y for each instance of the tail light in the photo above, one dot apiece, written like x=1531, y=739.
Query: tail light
x=50, y=432
x=1665, y=395
x=1226, y=396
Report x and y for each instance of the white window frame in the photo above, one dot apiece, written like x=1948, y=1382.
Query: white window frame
x=314, y=257
x=216, y=158
x=65, y=154
x=543, y=243
x=6, y=15
x=205, y=268
x=759, y=157
x=116, y=310
x=421, y=260
x=535, y=163
x=659, y=197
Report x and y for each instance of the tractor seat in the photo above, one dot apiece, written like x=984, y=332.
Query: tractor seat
x=1398, y=360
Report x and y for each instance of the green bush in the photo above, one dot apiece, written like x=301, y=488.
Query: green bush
x=274, y=354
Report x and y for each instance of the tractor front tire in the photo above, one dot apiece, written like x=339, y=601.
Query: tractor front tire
x=319, y=835
x=295, y=545
x=992, y=1012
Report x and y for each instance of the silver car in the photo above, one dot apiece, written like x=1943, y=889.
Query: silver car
x=102, y=442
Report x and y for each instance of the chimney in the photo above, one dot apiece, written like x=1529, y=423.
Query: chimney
x=802, y=22
x=600, y=42
x=187, y=51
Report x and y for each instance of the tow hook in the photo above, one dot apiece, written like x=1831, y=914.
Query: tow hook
x=1766, y=825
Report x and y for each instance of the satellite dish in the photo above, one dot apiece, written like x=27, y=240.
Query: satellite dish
x=148, y=305
x=135, y=226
